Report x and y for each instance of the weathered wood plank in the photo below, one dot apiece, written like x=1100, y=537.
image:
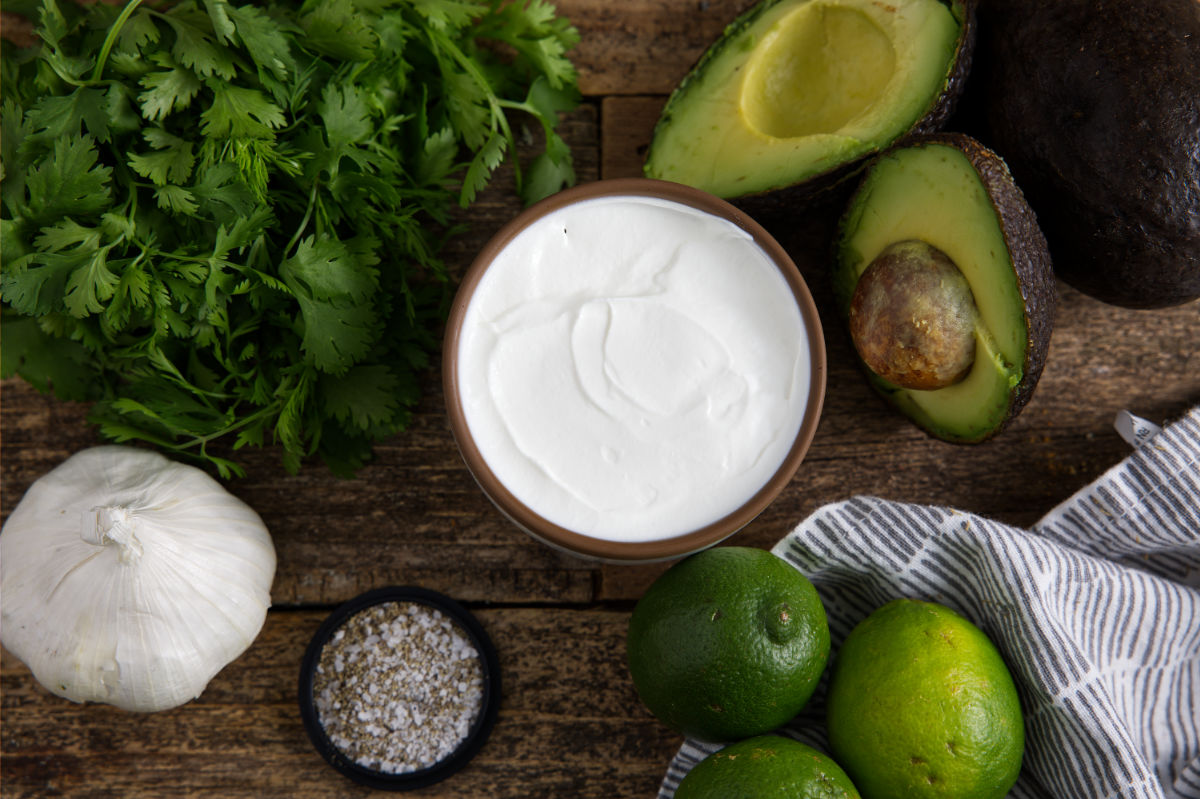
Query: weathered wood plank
x=626, y=129
x=570, y=724
x=637, y=47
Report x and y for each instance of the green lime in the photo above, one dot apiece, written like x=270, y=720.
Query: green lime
x=727, y=643
x=766, y=767
x=921, y=705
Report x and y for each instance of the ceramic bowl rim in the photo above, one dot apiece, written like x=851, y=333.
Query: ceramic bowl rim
x=657, y=549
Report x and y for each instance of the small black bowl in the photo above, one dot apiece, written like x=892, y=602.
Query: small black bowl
x=481, y=727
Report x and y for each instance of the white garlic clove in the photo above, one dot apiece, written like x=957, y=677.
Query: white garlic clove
x=130, y=579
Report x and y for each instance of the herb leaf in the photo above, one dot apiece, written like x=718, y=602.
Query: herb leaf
x=71, y=182
x=222, y=222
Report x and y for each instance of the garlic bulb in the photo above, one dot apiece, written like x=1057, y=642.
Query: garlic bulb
x=131, y=579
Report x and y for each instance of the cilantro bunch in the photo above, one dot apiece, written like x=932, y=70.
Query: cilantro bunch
x=222, y=223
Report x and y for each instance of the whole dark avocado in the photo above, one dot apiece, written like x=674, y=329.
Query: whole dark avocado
x=1095, y=106
x=945, y=283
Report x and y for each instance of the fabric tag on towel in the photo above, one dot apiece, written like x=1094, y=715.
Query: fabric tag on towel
x=1096, y=610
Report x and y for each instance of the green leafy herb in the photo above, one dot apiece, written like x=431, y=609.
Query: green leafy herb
x=222, y=223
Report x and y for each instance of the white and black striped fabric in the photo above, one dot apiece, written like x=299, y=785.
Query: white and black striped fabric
x=1096, y=610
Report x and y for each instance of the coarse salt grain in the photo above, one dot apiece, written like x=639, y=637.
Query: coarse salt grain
x=398, y=686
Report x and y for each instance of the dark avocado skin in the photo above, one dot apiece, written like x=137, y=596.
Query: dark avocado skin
x=836, y=185
x=965, y=11
x=1095, y=105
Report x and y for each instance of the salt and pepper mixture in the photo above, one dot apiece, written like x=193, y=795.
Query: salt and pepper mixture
x=399, y=688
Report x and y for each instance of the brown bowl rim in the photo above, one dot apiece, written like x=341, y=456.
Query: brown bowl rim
x=663, y=548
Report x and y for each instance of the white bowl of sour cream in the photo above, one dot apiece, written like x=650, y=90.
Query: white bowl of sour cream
x=633, y=370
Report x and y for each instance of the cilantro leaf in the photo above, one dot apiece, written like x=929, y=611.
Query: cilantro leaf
x=90, y=285
x=266, y=43
x=221, y=193
x=333, y=288
x=239, y=112
x=437, y=158
x=139, y=32
x=176, y=199
x=226, y=220
x=47, y=362
x=443, y=14
x=54, y=26
x=467, y=107
x=364, y=396
x=167, y=91
x=546, y=175
x=131, y=293
x=54, y=117
x=67, y=233
x=218, y=12
x=70, y=183
x=196, y=45
x=533, y=29
x=482, y=165
x=348, y=131
x=171, y=162
x=547, y=100
x=35, y=284
x=334, y=29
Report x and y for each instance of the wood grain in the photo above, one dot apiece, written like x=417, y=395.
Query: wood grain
x=570, y=723
x=637, y=47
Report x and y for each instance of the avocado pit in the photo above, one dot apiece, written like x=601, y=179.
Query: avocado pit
x=953, y=193
x=913, y=317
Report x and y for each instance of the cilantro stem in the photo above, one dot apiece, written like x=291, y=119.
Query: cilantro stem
x=111, y=39
x=471, y=68
x=203, y=440
x=312, y=201
x=196, y=440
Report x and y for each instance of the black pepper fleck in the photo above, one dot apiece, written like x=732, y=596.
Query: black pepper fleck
x=398, y=686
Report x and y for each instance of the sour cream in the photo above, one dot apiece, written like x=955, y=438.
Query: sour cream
x=633, y=369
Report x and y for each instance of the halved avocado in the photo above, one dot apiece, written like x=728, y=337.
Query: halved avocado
x=797, y=92
x=933, y=200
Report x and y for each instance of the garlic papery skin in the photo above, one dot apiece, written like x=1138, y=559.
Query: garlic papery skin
x=130, y=579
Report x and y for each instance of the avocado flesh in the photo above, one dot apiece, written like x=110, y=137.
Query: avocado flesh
x=796, y=88
x=932, y=193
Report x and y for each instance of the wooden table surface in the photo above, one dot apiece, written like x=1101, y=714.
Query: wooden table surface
x=570, y=723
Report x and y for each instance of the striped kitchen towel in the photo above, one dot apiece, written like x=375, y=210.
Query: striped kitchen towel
x=1096, y=610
